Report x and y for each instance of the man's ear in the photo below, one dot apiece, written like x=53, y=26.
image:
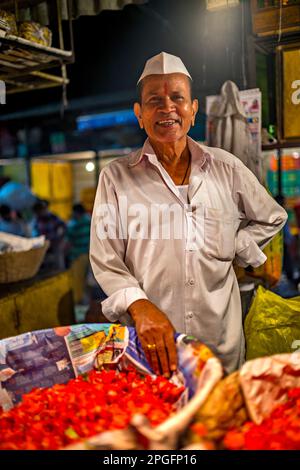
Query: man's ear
x=195, y=106
x=137, y=111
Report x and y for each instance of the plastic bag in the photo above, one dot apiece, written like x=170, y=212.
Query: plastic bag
x=272, y=325
x=17, y=196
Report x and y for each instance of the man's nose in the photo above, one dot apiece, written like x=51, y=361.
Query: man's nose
x=167, y=104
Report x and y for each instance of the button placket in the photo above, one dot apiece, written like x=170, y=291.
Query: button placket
x=189, y=315
x=189, y=224
x=190, y=280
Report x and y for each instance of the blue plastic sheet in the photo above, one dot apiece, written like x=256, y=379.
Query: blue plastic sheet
x=17, y=196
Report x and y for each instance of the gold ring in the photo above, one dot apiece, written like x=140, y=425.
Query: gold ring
x=151, y=346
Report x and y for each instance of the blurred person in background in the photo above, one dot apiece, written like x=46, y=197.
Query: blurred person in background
x=77, y=249
x=48, y=224
x=290, y=256
x=78, y=233
x=12, y=222
x=86, y=290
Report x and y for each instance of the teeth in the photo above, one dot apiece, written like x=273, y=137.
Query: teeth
x=169, y=122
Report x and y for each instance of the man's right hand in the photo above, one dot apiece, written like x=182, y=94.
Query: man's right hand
x=156, y=334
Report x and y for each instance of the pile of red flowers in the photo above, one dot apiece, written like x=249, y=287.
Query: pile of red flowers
x=281, y=431
x=51, y=418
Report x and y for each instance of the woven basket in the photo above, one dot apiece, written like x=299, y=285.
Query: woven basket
x=21, y=265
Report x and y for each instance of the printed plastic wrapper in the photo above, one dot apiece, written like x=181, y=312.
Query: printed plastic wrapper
x=36, y=33
x=47, y=357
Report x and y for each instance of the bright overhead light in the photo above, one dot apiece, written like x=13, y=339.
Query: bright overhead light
x=90, y=166
x=213, y=5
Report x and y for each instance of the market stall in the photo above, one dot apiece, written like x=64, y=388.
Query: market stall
x=115, y=402
x=94, y=386
x=30, y=297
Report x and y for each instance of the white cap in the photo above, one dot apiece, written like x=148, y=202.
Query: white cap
x=162, y=64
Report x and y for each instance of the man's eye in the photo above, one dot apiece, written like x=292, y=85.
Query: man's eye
x=154, y=100
x=178, y=97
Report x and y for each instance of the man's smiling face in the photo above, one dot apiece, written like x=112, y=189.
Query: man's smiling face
x=166, y=111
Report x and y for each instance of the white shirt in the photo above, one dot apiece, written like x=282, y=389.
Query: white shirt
x=183, y=189
x=191, y=279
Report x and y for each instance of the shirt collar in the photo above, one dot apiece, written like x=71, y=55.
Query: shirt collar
x=201, y=157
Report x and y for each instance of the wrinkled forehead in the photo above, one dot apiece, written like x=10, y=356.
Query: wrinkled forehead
x=165, y=83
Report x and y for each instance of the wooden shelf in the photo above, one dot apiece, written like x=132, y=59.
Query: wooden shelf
x=278, y=145
x=34, y=81
x=265, y=21
x=19, y=56
x=22, y=63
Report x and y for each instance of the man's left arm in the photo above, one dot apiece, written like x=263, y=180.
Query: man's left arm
x=262, y=218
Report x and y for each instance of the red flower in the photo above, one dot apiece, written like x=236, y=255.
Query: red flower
x=99, y=401
x=280, y=431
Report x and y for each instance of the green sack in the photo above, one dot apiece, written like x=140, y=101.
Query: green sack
x=272, y=325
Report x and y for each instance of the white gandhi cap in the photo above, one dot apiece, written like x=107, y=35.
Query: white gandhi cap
x=162, y=64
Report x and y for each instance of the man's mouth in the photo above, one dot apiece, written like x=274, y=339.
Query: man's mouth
x=168, y=122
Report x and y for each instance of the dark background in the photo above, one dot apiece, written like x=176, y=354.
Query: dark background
x=111, y=50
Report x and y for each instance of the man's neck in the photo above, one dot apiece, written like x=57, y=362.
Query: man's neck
x=171, y=155
x=175, y=158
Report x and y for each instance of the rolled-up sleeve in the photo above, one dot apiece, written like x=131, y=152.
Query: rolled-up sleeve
x=107, y=253
x=261, y=217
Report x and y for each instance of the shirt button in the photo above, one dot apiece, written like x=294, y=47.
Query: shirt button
x=191, y=282
x=190, y=315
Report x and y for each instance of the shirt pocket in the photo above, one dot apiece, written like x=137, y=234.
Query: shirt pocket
x=219, y=234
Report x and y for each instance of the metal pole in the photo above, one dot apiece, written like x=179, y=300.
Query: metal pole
x=70, y=16
x=62, y=46
x=17, y=10
x=97, y=167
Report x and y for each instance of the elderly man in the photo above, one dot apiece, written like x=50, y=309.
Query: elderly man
x=162, y=278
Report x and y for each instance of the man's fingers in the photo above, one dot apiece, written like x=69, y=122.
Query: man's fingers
x=154, y=361
x=148, y=357
x=161, y=353
x=171, y=351
x=149, y=347
x=163, y=356
x=152, y=347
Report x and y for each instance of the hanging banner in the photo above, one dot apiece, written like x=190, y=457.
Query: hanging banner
x=291, y=93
